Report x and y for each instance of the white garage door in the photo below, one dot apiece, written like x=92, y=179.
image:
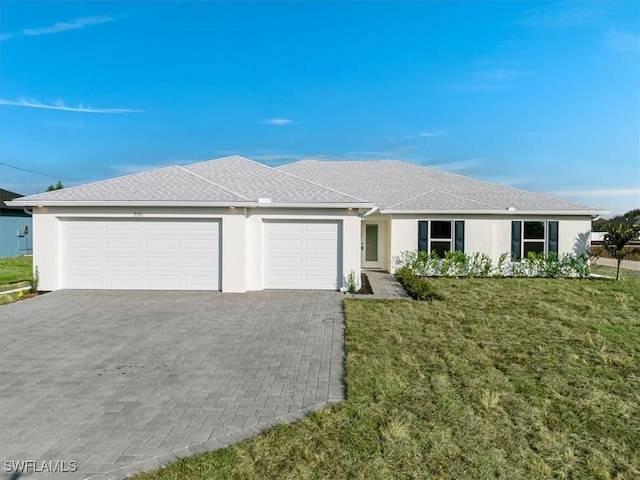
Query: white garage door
x=303, y=254
x=141, y=254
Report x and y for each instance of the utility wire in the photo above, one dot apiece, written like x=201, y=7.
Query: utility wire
x=38, y=173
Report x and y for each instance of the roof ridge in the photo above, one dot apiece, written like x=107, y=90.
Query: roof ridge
x=316, y=184
x=466, y=177
x=94, y=182
x=410, y=198
x=211, y=182
x=323, y=186
x=290, y=175
x=469, y=199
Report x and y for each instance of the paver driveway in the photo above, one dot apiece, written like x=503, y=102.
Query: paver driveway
x=119, y=382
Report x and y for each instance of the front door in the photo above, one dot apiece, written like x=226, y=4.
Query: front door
x=371, y=246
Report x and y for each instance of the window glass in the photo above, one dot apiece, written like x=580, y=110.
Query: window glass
x=440, y=230
x=371, y=243
x=440, y=247
x=534, y=230
x=537, y=247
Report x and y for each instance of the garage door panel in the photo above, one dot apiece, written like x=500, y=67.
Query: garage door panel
x=111, y=261
x=325, y=244
x=84, y=243
x=207, y=263
x=162, y=279
x=161, y=262
x=80, y=280
x=199, y=280
x=121, y=226
x=77, y=261
x=193, y=244
x=302, y=254
x=320, y=264
x=121, y=281
x=162, y=227
x=159, y=254
x=276, y=262
x=284, y=243
x=122, y=243
x=162, y=243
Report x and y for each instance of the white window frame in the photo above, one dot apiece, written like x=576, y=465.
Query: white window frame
x=451, y=239
x=544, y=238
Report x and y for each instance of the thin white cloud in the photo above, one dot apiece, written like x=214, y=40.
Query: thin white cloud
x=436, y=133
x=274, y=157
x=277, y=121
x=488, y=79
x=564, y=14
x=613, y=192
x=461, y=166
x=432, y=134
x=59, y=27
x=622, y=42
x=129, y=169
x=60, y=105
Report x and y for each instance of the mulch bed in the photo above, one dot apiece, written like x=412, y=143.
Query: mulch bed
x=365, y=286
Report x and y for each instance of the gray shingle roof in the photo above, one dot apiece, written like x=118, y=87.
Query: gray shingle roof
x=389, y=184
x=254, y=180
x=164, y=184
x=402, y=186
x=228, y=180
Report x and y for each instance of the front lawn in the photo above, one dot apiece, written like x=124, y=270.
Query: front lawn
x=625, y=273
x=15, y=269
x=502, y=378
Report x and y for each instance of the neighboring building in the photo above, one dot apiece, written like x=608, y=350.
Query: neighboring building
x=234, y=225
x=15, y=227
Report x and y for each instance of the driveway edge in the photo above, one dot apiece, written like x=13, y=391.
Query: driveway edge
x=335, y=395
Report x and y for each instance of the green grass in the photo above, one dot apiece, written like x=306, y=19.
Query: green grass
x=625, y=273
x=15, y=269
x=503, y=378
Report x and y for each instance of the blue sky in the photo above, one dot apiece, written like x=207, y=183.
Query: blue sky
x=543, y=96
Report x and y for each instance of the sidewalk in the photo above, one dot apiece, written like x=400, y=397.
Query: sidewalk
x=384, y=285
x=610, y=262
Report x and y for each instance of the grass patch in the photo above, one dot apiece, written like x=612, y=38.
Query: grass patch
x=15, y=269
x=625, y=273
x=504, y=378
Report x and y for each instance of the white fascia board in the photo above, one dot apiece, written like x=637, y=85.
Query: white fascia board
x=134, y=203
x=355, y=206
x=496, y=212
x=99, y=203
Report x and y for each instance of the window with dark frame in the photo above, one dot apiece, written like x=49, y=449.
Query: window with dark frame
x=535, y=236
x=440, y=236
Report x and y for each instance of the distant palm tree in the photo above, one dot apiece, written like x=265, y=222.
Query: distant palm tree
x=615, y=240
x=57, y=186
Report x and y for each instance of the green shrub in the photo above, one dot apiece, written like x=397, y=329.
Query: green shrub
x=459, y=264
x=417, y=287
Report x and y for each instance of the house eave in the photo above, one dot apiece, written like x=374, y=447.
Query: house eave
x=156, y=203
x=495, y=212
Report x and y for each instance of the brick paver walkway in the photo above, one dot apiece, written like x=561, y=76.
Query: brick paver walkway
x=384, y=285
x=121, y=382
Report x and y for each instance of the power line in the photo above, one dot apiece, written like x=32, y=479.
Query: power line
x=38, y=173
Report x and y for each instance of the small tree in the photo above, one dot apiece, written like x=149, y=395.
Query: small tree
x=57, y=186
x=615, y=240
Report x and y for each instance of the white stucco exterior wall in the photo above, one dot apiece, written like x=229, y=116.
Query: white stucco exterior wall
x=491, y=234
x=242, y=239
x=233, y=252
x=46, y=245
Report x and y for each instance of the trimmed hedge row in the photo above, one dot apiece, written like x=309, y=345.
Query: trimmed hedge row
x=459, y=264
x=417, y=287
